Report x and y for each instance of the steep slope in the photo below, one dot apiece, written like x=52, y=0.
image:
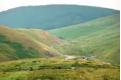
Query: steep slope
x=14, y=45
x=51, y=16
x=42, y=36
x=99, y=38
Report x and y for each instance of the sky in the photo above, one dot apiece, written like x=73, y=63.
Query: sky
x=8, y=4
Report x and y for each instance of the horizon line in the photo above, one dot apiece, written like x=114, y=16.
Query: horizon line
x=57, y=4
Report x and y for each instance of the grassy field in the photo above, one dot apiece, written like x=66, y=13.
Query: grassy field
x=58, y=69
x=99, y=38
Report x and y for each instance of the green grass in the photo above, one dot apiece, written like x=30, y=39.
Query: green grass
x=14, y=45
x=41, y=36
x=99, y=38
x=50, y=74
x=46, y=69
x=87, y=28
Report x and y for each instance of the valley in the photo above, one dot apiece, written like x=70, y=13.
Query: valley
x=60, y=42
x=94, y=38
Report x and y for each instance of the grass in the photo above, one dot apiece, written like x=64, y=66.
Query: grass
x=78, y=74
x=49, y=70
x=99, y=38
x=85, y=29
x=41, y=36
x=14, y=45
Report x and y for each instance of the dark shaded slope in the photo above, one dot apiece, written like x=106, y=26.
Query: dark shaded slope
x=51, y=16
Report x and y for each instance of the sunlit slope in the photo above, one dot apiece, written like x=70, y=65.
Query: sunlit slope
x=51, y=16
x=58, y=69
x=85, y=29
x=99, y=38
x=14, y=45
x=41, y=36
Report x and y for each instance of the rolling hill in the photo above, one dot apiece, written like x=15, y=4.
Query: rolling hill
x=99, y=38
x=51, y=16
x=14, y=45
x=42, y=36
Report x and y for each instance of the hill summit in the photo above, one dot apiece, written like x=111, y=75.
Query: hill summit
x=51, y=16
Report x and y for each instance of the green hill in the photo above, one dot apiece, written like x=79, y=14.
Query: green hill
x=51, y=16
x=14, y=45
x=99, y=38
x=42, y=36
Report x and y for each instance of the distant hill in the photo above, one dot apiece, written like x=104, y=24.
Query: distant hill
x=99, y=38
x=14, y=45
x=51, y=16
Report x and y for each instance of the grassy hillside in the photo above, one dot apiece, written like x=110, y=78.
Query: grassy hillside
x=14, y=45
x=51, y=16
x=58, y=69
x=99, y=38
x=42, y=36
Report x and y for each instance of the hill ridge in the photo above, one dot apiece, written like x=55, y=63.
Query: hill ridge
x=52, y=16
